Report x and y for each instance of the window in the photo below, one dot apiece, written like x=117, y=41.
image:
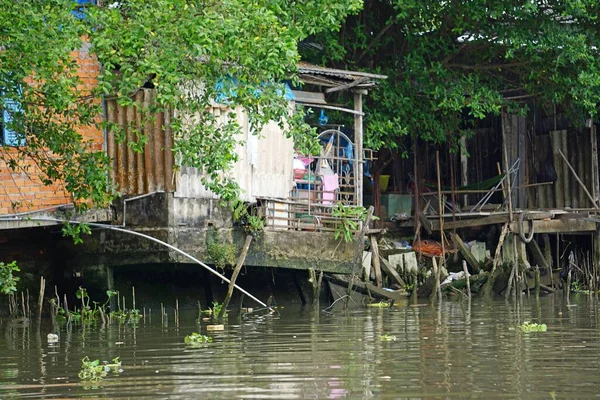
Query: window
x=9, y=135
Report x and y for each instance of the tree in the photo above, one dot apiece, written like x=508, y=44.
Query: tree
x=453, y=62
x=184, y=49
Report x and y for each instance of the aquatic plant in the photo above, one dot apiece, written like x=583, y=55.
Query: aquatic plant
x=529, y=327
x=196, y=339
x=96, y=371
x=8, y=280
x=387, y=338
x=381, y=304
x=215, y=310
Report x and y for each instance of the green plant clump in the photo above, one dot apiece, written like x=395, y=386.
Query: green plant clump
x=95, y=371
x=387, y=338
x=196, y=338
x=348, y=219
x=529, y=327
x=8, y=281
x=221, y=252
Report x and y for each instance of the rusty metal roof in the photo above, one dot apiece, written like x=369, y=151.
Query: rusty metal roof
x=314, y=74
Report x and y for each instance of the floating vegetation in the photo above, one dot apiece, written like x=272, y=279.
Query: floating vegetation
x=387, y=338
x=381, y=304
x=94, y=371
x=196, y=339
x=529, y=327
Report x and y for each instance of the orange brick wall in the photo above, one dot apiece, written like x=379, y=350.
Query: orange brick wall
x=25, y=189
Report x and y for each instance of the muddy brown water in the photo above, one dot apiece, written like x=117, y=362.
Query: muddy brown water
x=456, y=350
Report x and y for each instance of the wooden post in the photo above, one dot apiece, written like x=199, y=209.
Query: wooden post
x=41, y=300
x=234, y=275
x=375, y=260
x=358, y=144
x=555, y=141
x=440, y=209
x=537, y=282
x=361, y=239
x=466, y=271
x=506, y=166
x=436, y=283
x=566, y=166
x=595, y=177
x=464, y=167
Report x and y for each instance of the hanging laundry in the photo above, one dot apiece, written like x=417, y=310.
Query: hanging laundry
x=330, y=185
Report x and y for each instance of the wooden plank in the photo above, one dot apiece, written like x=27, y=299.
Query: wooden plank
x=309, y=97
x=538, y=255
x=466, y=253
x=375, y=260
x=391, y=271
x=557, y=226
x=366, y=288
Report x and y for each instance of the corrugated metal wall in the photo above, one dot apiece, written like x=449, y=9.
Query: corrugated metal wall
x=264, y=167
x=151, y=170
x=566, y=192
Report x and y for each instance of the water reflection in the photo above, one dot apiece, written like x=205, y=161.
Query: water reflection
x=460, y=348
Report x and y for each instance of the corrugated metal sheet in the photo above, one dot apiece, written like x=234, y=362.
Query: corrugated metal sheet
x=264, y=167
x=566, y=191
x=151, y=170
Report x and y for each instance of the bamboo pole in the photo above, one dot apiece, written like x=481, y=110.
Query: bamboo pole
x=234, y=275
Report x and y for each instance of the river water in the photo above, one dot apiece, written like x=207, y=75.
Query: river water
x=455, y=350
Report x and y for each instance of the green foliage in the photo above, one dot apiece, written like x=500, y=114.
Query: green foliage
x=184, y=49
x=94, y=371
x=216, y=309
x=8, y=281
x=246, y=215
x=197, y=339
x=452, y=63
x=75, y=231
x=220, y=251
x=529, y=327
x=349, y=217
x=387, y=338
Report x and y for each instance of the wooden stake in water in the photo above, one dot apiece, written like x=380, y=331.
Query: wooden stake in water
x=466, y=271
x=41, y=300
x=118, y=301
x=177, y=312
x=124, y=307
x=162, y=314
x=133, y=295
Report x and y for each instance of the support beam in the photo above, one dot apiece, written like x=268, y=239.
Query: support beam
x=358, y=143
x=538, y=255
x=466, y=253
